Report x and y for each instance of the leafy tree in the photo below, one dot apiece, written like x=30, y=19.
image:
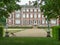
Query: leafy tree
x=7, y=7
x=53, y=7
x=48, y=12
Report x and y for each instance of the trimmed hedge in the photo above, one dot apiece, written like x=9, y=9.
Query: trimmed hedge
x=22, y=27
x=56, y=32
x=1, y=31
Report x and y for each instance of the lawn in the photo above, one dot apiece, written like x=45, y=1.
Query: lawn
x=28, y=41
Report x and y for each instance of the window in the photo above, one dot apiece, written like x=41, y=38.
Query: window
x=38, y=10
x=35, y=15
x=25, y=22
x=31, y=16
x=9, y=21
x=18, y=11
x=38, y=21
x=10, y=15
x=27, y=10
x=53, y=21
x=24, y=10
x=39, y=15
x=43, y=21
x=27, y=15
x=23, y=15
x=17, y=15
x=35, y=10
x=30, y=21
x=31, y=10
x=35, y=22
x=46, y=22
x=17, y=21
x=42, y=16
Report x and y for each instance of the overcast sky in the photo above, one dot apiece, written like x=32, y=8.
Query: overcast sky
x=25, y=1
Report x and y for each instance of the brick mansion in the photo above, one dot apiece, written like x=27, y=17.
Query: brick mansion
x=29, y=16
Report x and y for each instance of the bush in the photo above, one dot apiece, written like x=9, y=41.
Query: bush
x=56, y=32
x=1, y=31
x=25, y=27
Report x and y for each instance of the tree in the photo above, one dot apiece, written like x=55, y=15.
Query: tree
x=53, y=6
x=7, y=7
x=47, y=12
x=51, y=9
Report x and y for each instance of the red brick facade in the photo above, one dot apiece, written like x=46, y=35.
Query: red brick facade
x=29, y=16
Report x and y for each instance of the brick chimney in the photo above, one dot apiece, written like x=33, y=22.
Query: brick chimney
x=30, y=2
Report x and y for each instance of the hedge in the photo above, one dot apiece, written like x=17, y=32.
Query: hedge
x=1, y=31
x=56, y=32
x=22, y=27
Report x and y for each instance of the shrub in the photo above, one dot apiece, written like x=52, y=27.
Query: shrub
x=56, y=32
x=1, y=31
x=24, y=27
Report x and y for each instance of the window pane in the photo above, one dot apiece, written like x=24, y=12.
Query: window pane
x=39, y=10
x=17, y=15
x=27, y=10
x=27, y=15
x=42, y=16
x=43, y=21
x=31, y=16
x=35, y=15
x=35, y=10
x=23, y=15
x=46, y=21
x=31, y=10
x=24, y=10
x=38, y=21
x=53, y=21
x=10, y=15
x=18, y=11
x=9, y=21
x=30, y=21
x=17, y=21
x=39, y=15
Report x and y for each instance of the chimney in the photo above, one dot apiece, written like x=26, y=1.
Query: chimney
x=30, y=2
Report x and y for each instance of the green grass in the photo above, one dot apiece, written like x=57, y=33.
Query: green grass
x=28, y=41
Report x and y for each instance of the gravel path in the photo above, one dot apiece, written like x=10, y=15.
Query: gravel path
x=31, y=33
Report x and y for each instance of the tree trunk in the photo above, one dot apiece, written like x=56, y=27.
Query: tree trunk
x=59, y=20
x=48, y=31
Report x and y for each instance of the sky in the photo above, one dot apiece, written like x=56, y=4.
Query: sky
x=23, y=2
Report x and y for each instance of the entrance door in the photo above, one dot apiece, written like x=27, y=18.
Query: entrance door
x=35, y=22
